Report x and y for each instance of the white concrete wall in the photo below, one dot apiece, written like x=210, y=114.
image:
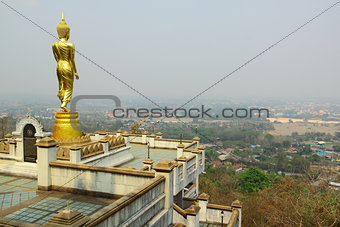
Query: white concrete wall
x=214, y=215
x=191, y=166
x=186, y=173
x=160, y=143
x=178, y=218
x=113, y=183
x=135, y=139
x=189, y=221
x=146, y=210
x=193, y=221
x=191, y=193
x=111, y=158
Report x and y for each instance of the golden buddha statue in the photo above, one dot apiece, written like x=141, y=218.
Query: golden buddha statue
x=66, y=68
x=67, y=125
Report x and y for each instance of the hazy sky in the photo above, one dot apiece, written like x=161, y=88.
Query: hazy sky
x=175, y=48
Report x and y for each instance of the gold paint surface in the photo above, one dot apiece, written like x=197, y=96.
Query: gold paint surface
x=66, y=67
x=66, y=125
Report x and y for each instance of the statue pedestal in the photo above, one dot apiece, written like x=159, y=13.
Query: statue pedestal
x=66, y=125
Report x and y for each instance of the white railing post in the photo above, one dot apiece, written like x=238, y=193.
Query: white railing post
x=144, y=137
x=105, y=143
x=47, y=152
x=180, y=149
x=75, y=154
x=12, y=147
x=203, y=200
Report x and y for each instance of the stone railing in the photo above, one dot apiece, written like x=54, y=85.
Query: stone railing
x=200, y=158
x=170, y=143
x=155, y=141
x=235, y=220
x=187, y=217
x=191, y=166
x=213, y=213
x=73, y=141
x=194, y=210
x=192, y=145
x=135, y=138
x=180, y=211
x=66, y=175
x=91, y=150
x=180, y=171
x=115, y=142
x=188, y=166
x=4, y=146
x=63, y=153
x=138, y=208
x=87, y=151
x=184, y=174
x=191, y=192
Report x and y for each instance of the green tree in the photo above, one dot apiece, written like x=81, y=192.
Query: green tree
x=211, y=154
x=282, y=162
x=300, y=164
x=253, y=179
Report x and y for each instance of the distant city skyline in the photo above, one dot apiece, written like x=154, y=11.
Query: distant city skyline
x=175, y=50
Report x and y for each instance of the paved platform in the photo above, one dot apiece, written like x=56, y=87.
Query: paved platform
x=14, y=190
x=140, y=153
x=21, y=202
x=21, y=169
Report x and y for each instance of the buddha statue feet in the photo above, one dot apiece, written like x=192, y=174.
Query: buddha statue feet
x=64, y=107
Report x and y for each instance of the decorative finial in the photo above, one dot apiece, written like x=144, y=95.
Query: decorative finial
x=63, y=29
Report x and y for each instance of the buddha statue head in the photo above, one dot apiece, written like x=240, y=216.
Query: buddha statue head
x=63, y=29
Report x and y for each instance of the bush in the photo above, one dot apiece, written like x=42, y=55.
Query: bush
x=292, y=203
x=253, y=179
